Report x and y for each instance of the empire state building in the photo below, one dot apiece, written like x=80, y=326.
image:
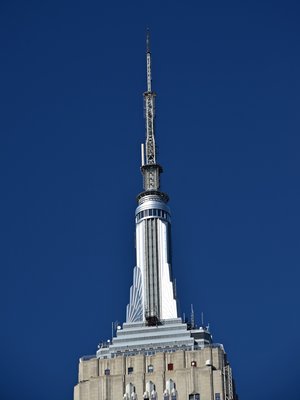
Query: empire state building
x=155, y=354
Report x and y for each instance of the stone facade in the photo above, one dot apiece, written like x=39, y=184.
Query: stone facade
x=203, y=374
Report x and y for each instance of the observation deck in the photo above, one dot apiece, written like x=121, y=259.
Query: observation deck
x=168, y=336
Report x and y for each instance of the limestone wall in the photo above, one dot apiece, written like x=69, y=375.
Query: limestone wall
x=200, y=371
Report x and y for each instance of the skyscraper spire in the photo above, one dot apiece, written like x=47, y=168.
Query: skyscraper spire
x=152, y=296
x=155, y=355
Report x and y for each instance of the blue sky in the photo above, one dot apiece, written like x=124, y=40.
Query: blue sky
x=227, y=79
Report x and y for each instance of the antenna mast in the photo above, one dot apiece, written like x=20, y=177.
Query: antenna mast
x=150, y=169
x=149, y=97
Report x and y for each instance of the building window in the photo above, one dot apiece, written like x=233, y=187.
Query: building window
x=130, y=370
x=107, y=371
x=193, y=364
x=150, y=368
x=217, y=396
x=170, y=367
x=195, y=396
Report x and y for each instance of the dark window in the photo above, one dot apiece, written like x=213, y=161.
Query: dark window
x=195, y=396
x=193, y=364
x=173, y=396
x=130, y=370
x=166, y=397
x=150, y=368
x=107, y=372
x=170, y=367
x=217, y=396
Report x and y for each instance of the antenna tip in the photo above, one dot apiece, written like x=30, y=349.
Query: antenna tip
x=148, y=40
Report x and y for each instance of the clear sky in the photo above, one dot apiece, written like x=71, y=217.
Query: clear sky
x=72, y=75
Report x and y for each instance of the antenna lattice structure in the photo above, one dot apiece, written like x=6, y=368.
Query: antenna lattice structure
x=149, y=98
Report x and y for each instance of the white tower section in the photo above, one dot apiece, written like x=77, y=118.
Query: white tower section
x=152, y=295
